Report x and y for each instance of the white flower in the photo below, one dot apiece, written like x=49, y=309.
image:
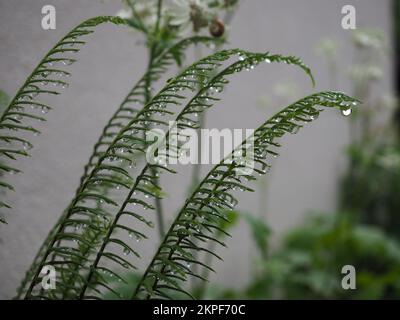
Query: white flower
x=183, y=12
x=125, y=13
x=147, y=11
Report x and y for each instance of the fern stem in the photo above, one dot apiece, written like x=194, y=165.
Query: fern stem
x=159, y=7
x=157, y=201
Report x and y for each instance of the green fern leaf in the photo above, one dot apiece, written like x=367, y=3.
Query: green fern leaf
x=203, y=211
x=125, y=112
x=23, y=107
x=215, y=82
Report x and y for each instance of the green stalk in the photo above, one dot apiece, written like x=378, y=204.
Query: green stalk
x=153, y=50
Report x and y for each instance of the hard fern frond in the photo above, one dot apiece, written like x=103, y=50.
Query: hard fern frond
x=199, y=219
x=136, y=99
x=206, y=94
x=130, y=138
x=110, y=164
x=125, y=112
x=15, y=120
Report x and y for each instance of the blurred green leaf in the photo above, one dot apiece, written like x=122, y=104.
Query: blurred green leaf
x=260, y=232
x=4, y=100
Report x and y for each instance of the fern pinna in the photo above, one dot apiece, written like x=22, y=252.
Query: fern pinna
x=93, y=240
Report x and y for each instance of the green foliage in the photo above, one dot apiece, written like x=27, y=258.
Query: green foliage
x=22, y=110
x=121, y=117
x=370, y=190
x=260, y=232
x=109, y=168
x=308, y=263
x=4, y=100
x=199, y=217
x=91, y=245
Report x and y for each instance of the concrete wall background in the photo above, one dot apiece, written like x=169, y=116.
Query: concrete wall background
x=304, y=178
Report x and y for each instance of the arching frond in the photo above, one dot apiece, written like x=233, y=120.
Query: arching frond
x=136, y=99
x=130, y=139
x=198, y=221
x=204, y=99
x=46, y=79
x=127, y=110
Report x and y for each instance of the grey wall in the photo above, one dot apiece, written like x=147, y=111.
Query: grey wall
x=304, y=178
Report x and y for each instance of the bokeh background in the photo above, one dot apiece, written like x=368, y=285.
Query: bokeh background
x=311, y=177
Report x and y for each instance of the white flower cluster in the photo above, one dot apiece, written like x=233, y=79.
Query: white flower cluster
x=183, y=15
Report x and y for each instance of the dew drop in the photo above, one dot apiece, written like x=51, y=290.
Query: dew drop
x=27, y=146
x=346, y=112
x=126, y=251
x=45, y=109
x=294, y=129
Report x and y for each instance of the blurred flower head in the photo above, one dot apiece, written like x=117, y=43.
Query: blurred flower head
x=371, y=39
x=185, y=12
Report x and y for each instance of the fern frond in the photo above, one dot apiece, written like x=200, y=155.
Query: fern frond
x=45, y=79
x=197, y=222
x=130, y=138
x=216, y=83
x=136, y=98
x=125, y=112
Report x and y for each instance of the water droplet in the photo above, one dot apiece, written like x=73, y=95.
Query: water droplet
x=126, y=251
x=267, y=60
x=45, y=109
x=295, y=129
x=27, y=146
x=346, y=112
